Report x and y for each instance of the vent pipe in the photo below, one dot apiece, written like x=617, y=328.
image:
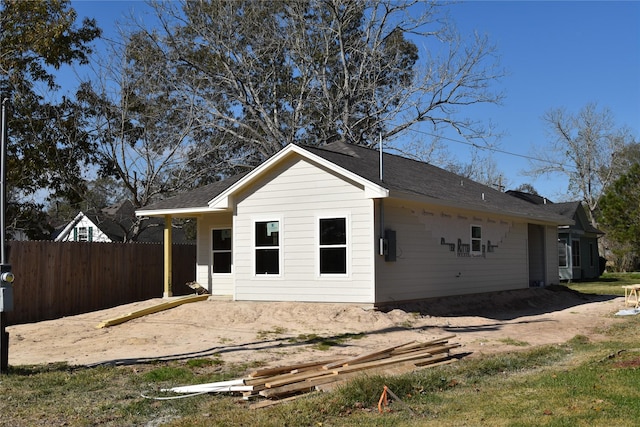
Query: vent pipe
x=380, y=146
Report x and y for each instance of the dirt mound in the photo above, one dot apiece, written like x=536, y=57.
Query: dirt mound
x=275, y=333
x=502, y=305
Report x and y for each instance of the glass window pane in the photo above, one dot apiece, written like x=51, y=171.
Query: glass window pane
x=267, y=261
x=221, y=240
x=562, y=253
x=267, y=233
x=333, y=260
x=222, y=262
x=333, y=231
x=475, y=246
x=476, y=232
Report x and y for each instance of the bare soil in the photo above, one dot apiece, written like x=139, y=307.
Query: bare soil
x=282, y=333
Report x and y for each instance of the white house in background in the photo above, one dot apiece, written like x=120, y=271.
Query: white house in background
x=328, y=224
x=112, y=224
x=82, y=229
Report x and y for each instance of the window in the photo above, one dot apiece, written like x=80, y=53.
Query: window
x=575, y=253
x=592, y=255
x=267, y=235
x=562, y=253
x=221, y=248
x=333, y=246
x=476, y=239
x=83, y=234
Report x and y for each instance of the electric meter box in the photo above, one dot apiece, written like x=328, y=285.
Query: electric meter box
x=6, y=288
x=6, y=298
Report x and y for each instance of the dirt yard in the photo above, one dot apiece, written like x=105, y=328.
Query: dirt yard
x=278, y=333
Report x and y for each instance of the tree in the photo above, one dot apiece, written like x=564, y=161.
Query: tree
x=265, y=74
x=527, y=188
x=144, y=127
x=620, y=213
x=47, y=148
x=587, y=148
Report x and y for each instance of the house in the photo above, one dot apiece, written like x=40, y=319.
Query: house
x=344, y=223
x=578, y=254
x=112, y=224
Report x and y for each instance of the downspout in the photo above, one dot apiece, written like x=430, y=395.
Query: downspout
x=167, y=257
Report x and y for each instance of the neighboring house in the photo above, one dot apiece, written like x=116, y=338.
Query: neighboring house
x=324, y=224
x=578, y=255
x=112, y=224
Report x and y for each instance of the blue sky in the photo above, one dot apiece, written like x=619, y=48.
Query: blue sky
x=556, y=54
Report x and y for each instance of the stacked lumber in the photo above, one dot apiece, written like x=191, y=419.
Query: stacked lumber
x=283, y=383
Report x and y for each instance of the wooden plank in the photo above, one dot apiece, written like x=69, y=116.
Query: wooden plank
x=390, y=370
x=365, y=357
x=382, y=362
x=282, y=380
x=288, y=368
x=424, y=344
x=153, y=309
x=297, y=387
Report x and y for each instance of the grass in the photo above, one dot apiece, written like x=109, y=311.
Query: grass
x=607, y=284
x=577, y=383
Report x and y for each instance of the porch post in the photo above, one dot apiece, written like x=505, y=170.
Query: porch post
x=167, y=257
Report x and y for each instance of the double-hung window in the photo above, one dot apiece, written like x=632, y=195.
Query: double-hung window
x=221, y=248
x=562, y=253
x=476, y=240
x=83, y=234
x=267, y=247
x=333, y=245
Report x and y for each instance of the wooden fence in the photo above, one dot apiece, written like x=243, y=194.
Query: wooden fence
x=56, y=279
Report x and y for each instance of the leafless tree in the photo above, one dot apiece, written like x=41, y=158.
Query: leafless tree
x=585, y=147
x=271, y=73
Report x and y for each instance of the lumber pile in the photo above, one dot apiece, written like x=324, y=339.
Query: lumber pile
x=283, y=383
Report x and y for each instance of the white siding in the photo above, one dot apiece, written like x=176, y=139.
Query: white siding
x=96, y=234
x=426, y=268
x=218, y=284
x=297, y=194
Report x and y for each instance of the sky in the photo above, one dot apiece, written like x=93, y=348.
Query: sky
x=556, y=55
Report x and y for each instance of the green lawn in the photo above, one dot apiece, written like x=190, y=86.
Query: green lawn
x=578, y=383
x=608, y=284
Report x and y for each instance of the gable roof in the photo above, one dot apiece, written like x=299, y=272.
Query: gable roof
x=402, y=178
x=114, y=220
x=575, y=211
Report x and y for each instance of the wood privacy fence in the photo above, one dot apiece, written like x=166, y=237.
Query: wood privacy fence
x=56, y=279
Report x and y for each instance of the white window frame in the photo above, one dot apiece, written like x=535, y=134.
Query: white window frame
x=346, y=245
x=83, y=234
x=280, y=246
x=563, y=242
x=214, y=251
x=472, y=239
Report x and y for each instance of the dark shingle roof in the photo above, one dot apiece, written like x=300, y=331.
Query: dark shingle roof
x=414, y=177
x=196, y=198
x=570, y=210
x=400, y=175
